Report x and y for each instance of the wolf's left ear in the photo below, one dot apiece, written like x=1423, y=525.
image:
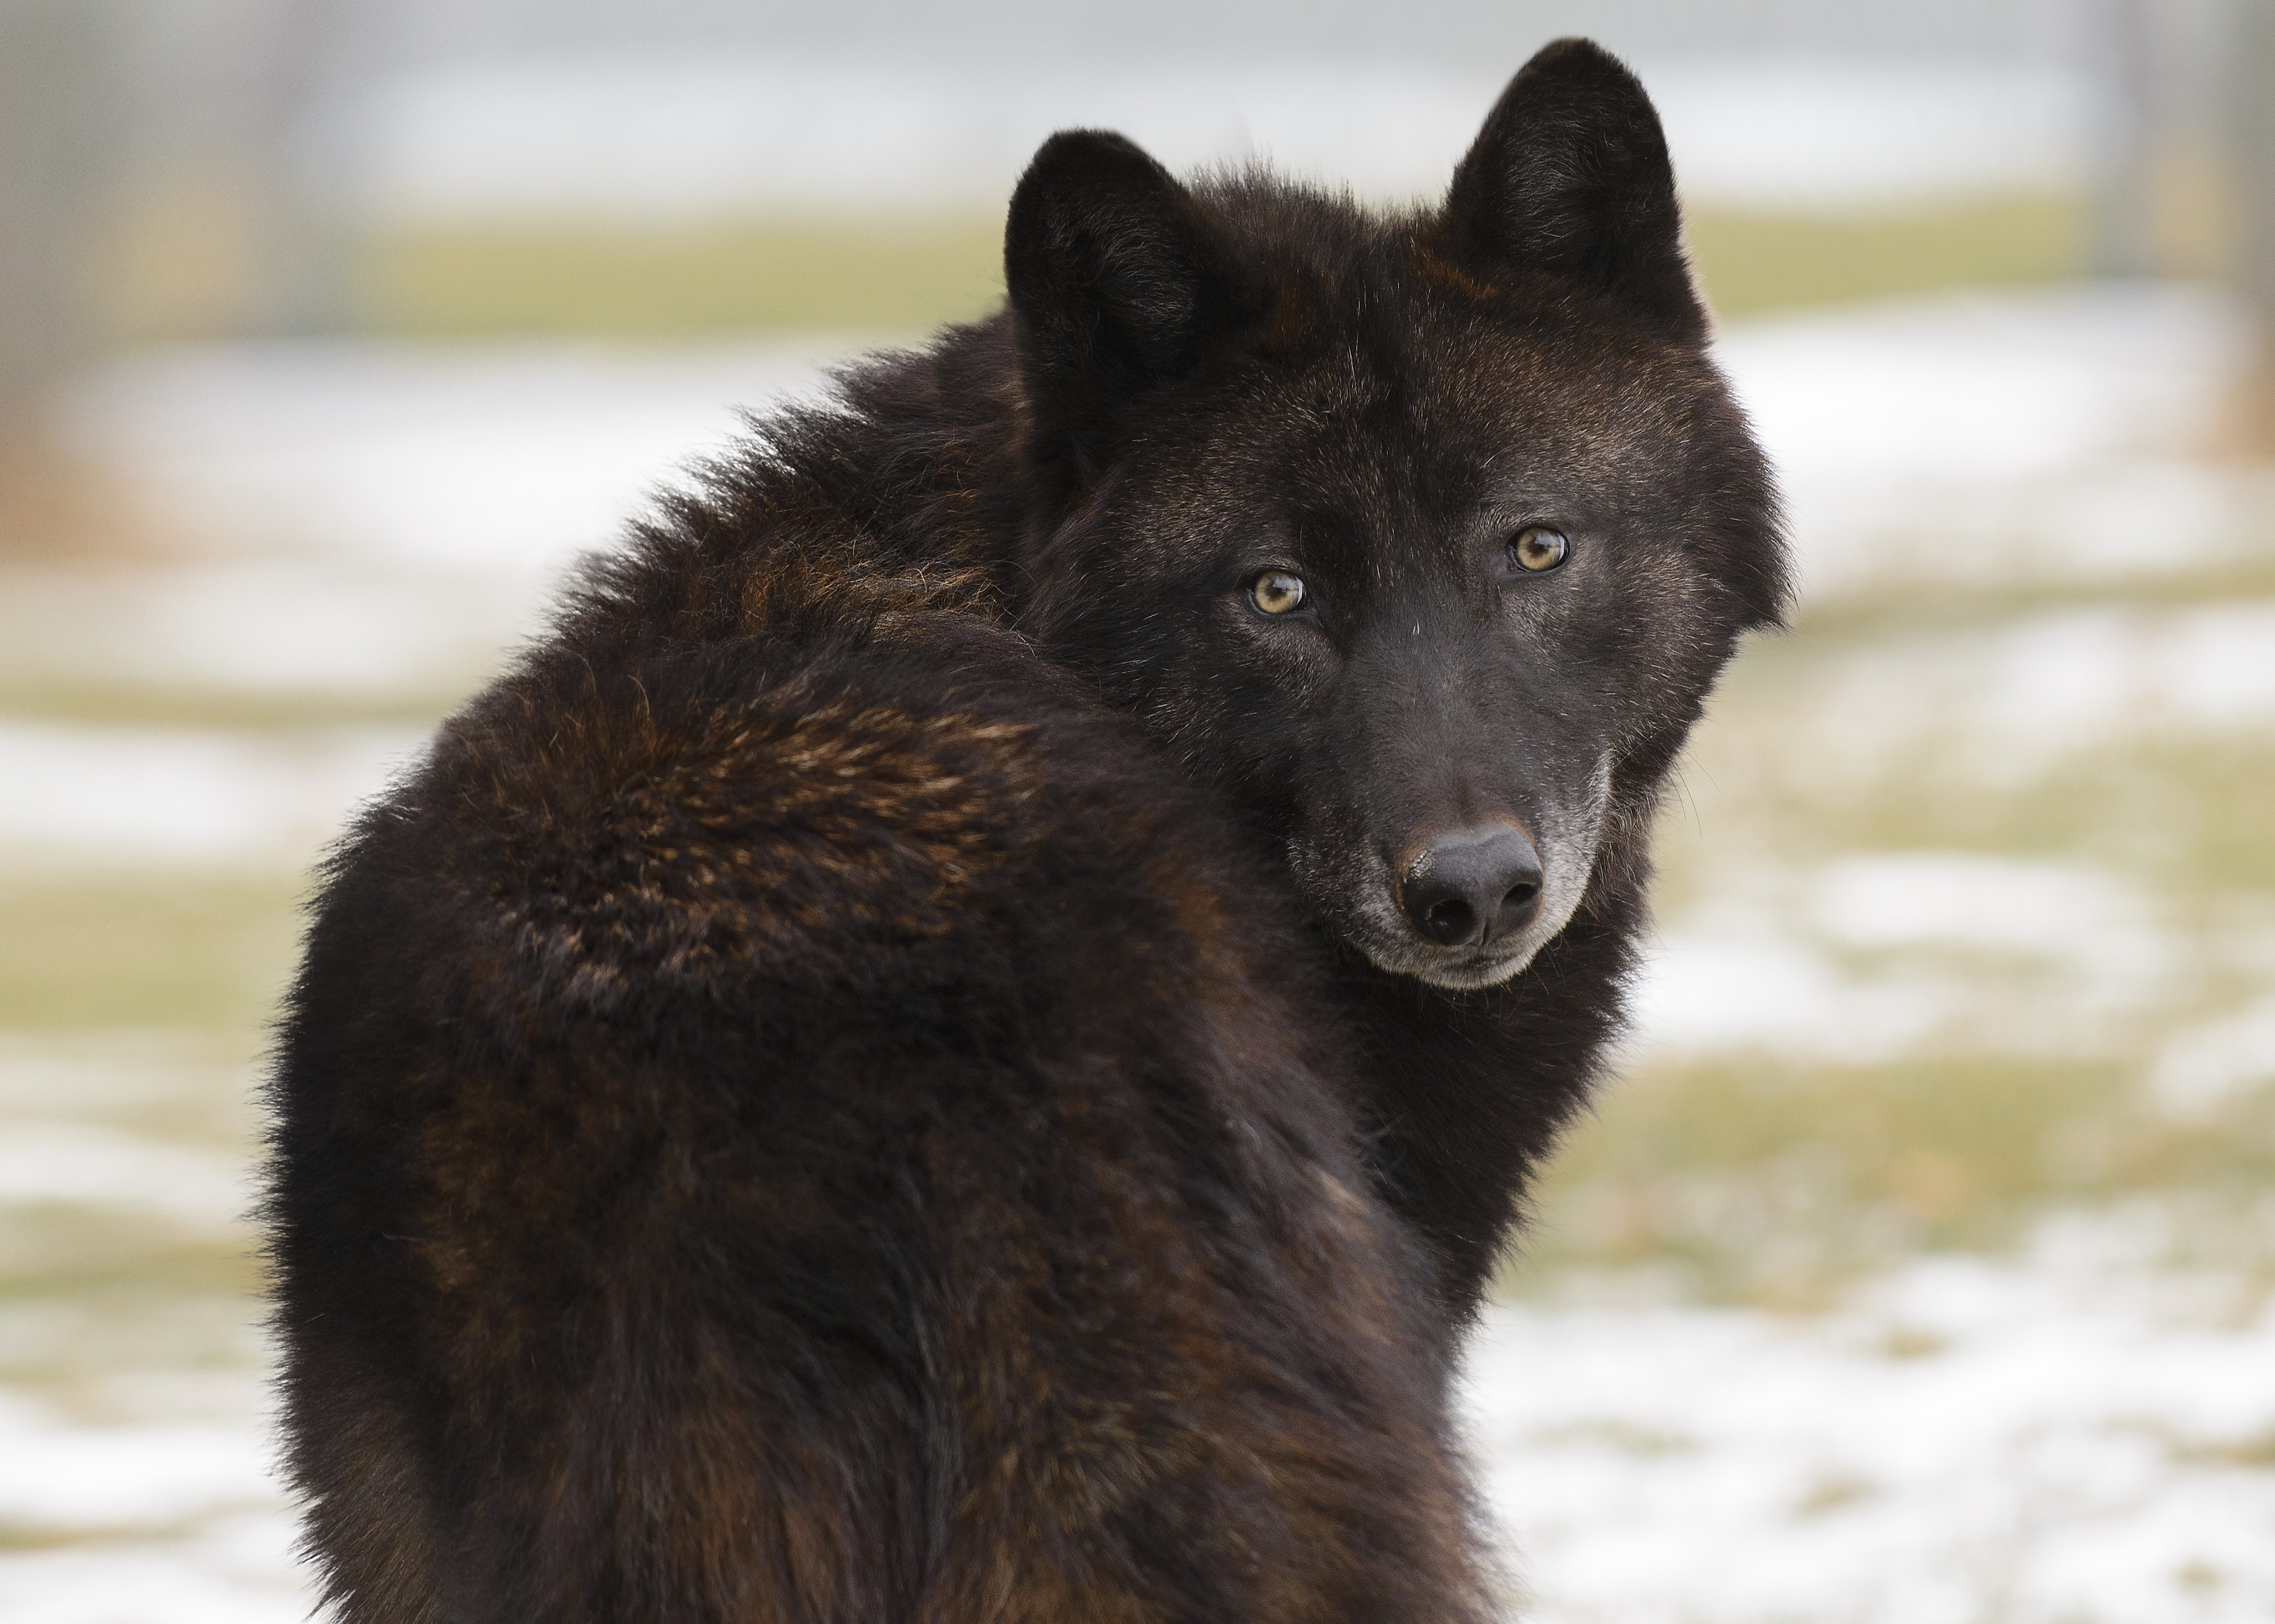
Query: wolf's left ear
x=1570, y=175
x=1118, y=282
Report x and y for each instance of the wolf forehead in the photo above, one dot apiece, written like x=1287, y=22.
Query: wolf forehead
x=1379, y=380
x=1457, y=394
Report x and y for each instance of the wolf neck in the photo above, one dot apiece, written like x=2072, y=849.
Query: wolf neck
x=1463, y=1094
x=927, y=462
x=1469, y=1092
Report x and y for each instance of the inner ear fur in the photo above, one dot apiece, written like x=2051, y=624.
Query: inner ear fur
x=1570, y=175
x=1118, y=283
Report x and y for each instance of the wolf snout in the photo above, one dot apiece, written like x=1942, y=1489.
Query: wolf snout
x=1472, y=886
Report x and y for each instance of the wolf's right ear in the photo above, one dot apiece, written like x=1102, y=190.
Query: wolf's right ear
x=1570, y=175
x=1117, y=283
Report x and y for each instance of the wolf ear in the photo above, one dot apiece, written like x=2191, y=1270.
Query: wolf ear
x=1570, y=175
x=1118, y=282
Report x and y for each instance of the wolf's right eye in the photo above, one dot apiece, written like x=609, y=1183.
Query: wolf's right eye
x=1276, y=592
x=1538, y=547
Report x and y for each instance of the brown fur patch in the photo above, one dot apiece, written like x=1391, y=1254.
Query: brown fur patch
x=751, y=831
x=1294, y=319
x=1430, y=267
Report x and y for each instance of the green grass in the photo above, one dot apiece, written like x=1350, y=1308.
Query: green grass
x=181, y=272
x=663, y=282
x=1774, y=1182
x=189, y=705
x=75, y=1251
x=919, y=274
x=136, y=951
x=1753, y=263
x=2184, y=816
x=1895, y=607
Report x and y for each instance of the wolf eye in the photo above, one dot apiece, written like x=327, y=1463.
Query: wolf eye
x=1539, y=548
x=1276, y=592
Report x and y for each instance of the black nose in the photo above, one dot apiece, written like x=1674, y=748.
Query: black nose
x=1472, y=886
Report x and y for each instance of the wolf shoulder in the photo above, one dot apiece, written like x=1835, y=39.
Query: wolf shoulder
x=904, y=814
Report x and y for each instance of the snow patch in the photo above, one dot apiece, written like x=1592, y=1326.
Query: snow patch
x=1973, y=438
x=1963, y=1431
x=292, y=625
x=2202, y=1068
x=124, y=796
x=505, y=459
x=72, y=1163
x=79, y=1478
x=1771, y=961
x=1915, y=898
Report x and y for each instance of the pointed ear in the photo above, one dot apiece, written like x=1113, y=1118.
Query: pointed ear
x=1117, y=282
x=1570, y=175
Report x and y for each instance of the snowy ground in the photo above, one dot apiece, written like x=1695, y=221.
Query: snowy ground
x=2032, y=592
x=2059, y=1437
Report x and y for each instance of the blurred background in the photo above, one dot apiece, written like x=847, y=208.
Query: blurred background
x=1921, y=1266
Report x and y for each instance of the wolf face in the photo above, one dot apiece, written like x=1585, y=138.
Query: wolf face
x=1421, y=538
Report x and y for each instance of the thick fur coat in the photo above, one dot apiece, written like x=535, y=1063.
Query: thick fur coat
x=951, y=1046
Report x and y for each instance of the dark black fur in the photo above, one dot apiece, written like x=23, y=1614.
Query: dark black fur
x=880, y=1073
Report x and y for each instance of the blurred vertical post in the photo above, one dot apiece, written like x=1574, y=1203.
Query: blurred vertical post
x=304, y=179
x=2121, y=87
x=56, y=152
x=54, y=158
x=2251, y=161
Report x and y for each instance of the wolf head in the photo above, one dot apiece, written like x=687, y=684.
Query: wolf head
x=1421, y=537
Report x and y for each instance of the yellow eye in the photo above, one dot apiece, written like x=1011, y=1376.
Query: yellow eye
x=1276, y=592
x=1539, y=548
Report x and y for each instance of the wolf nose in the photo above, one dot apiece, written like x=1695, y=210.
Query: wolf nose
x=1475, y=885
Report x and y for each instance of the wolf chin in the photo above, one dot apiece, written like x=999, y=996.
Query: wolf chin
x=960, y=1041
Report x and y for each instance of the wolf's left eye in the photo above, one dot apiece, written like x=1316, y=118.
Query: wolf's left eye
x=1276, y=592
x=1538, y=547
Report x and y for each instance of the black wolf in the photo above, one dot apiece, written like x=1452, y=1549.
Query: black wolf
x=959, y=1042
